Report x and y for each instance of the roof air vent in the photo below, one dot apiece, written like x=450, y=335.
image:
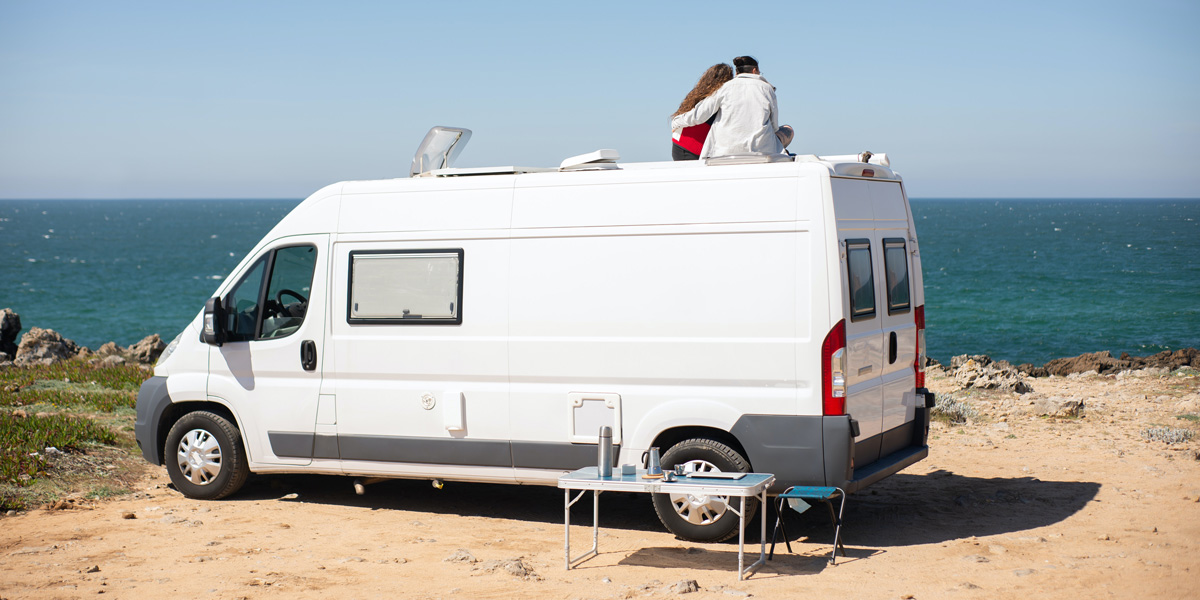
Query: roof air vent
x=598, y=160
x=438, y=150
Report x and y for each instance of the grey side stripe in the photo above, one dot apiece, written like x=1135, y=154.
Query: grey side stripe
x=479, y=453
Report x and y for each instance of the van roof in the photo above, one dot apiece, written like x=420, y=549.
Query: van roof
x=439, y=148
x=851, y=165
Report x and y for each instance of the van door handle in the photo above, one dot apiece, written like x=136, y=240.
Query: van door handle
x=893, y=348
x=308, y=355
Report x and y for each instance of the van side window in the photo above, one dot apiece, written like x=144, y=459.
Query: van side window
x=406, y=287
x=241, y=304
x=279, y=309
x=288, y=291
x=895, y=262
x=862, y=281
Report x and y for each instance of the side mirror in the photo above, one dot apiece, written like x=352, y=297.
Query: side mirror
x=214, y=322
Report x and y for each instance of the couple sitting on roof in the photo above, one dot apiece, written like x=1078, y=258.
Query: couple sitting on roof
x=726, y=115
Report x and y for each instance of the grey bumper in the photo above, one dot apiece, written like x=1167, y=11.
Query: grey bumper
x=152, y=402
x=819, y=450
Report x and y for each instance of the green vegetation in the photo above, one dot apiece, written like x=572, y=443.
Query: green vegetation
x=1168, y=435
x=76, y=410
x=106, y=491
x=1189, y=417
x=71, y=384
x=949, y=408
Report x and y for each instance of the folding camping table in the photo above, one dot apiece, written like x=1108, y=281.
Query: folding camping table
x=587, y=478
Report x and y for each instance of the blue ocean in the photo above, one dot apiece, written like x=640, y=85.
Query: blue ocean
x=1020, y=280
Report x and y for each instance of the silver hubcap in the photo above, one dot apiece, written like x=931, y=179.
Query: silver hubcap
x=199, y=457
x=699, y=510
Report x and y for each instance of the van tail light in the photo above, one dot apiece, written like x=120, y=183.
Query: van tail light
x=833, y=371
x=919, y=366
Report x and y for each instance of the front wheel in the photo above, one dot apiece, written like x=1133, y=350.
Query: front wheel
x=205, y=457
x=702, y=518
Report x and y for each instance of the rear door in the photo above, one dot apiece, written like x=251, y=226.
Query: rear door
x=896, y=313
x=861, y=260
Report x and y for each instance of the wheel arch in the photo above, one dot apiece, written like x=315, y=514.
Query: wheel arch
x=670, y=423
x=179, y=409
x=674, y=435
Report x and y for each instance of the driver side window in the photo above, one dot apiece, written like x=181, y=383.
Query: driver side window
x=279, y=309
x=242, y=304
x=288, y=291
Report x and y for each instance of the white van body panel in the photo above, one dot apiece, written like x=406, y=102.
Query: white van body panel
x=666, y=300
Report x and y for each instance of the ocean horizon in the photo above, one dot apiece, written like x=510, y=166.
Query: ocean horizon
x=1019, y=279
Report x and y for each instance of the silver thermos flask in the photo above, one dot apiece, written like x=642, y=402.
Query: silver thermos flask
x=604, y=462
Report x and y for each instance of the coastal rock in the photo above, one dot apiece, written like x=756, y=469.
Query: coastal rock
x=10, y=326
x=1031, y=371
x=44, y=347
x=685, y=586
x=982, y=360
x=109, y=349
x=979, y=371
x=112, y=360
x=1184, y=357
x=147, y=350
x=1103, y=362
x=1055, y=406
x=1100, y=362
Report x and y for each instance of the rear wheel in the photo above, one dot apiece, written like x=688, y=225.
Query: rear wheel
x=205, y=457
x=702, y=518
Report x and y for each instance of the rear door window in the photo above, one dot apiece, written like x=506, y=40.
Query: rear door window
x=861, y=279
x=895, y=261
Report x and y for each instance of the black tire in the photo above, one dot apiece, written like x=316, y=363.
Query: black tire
x=681, y=517
x=205, y=457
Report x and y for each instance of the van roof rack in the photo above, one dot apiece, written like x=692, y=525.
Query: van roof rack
x=435, y=157
x=500, y=170
x=751, y=158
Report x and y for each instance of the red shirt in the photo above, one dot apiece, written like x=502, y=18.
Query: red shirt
x=692, y=138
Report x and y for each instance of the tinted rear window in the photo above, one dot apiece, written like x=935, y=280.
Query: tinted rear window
x=895, y=262
x=861, y=279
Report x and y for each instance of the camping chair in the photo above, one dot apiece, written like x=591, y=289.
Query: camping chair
x=824, y=495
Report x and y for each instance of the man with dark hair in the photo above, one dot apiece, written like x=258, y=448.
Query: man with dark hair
x=745, y=64
x=747, y=115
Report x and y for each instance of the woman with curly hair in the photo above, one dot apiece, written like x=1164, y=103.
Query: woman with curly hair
x=688, y=141
x=743, y=115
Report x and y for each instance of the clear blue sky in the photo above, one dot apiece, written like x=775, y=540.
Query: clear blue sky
x=121, y=99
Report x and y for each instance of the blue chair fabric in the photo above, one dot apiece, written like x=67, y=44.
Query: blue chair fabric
x=824, y=495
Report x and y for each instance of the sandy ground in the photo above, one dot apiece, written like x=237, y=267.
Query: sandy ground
x=1014, y=506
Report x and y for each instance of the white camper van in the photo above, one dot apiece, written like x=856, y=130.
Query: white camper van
x=746, y=313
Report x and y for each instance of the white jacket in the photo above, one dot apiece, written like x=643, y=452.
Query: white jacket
x=747, y=118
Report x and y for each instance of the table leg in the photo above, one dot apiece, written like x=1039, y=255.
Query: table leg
x=742, y=540
x=567, y=526
x=762, y=545
x=762, y=540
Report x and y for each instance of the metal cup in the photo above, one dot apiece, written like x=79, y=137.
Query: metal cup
x=653, y=463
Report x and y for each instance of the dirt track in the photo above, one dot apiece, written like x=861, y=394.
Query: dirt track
x=1017, y=506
